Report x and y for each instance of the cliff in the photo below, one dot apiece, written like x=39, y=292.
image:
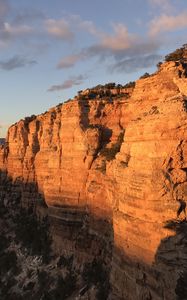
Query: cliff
x=110, y=171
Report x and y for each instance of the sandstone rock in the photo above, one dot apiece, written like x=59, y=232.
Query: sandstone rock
x=125, y=204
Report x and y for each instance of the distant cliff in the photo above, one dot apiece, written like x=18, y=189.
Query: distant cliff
x=111, y=169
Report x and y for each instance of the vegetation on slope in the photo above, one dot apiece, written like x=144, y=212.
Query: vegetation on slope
x=28, y=263
x=178, y=55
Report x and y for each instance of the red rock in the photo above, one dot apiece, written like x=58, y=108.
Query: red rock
x=135, y=192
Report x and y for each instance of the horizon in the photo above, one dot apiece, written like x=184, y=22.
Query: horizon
x=50, y=51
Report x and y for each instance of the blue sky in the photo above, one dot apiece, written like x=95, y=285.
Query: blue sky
x=51, y=49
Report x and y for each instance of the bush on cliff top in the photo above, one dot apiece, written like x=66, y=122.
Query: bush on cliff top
x=130, y=84
x=178, y=54
x=145, y=75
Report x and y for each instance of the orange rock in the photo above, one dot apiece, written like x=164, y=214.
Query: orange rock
x=69, y=152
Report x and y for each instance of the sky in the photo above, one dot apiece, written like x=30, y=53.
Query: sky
x=50, y=49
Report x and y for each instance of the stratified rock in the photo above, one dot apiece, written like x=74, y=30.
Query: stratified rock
x=111, y=171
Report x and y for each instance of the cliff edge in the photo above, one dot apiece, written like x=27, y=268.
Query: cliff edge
x=112, y=171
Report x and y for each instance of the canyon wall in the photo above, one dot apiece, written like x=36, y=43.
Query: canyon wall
x=111, y=172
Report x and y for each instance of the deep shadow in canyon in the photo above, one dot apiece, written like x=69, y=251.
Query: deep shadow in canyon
x=165, y=278
x=172, y=254
x=83, y=244
x=75, y=251
x=67, y=250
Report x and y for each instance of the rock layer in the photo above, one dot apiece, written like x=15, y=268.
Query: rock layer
x=111, y=171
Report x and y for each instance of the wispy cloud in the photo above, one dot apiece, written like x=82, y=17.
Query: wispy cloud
x=69, y=61
x=59, y=29
x=4, y=7
x=164, y=5
x=119, y=46
x=79, y=24
x=74, y=80
x=136, y=63
x=10, y=28
x=119, y=40
x=16, y=62
x=30, y=15
x=165, y=23
x=16, y=30
x=108, y=45
x=10, y=32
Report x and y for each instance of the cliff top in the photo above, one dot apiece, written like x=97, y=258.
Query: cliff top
x=175, y=64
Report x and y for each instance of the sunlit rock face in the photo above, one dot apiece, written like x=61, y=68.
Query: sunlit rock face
x=114, y=168
x=150, y=175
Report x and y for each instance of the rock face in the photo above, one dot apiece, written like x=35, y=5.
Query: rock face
x=150, y=175
x=111, y=171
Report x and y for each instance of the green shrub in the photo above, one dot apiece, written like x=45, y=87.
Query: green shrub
x=159, y=64
x=174, y=56
x=130, y=84
x=92, y=96
x=145, y=75
x=110, y=85
x=178, y=54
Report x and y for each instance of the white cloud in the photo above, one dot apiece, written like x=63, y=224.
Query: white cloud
x=120, y=40
x=166, y=23
x=108, y=44
x=120, y=47
x=59, y=29
x=9, y=32
x=78, y=23
x=64, y=28
x=19, y=25
x=16, y=30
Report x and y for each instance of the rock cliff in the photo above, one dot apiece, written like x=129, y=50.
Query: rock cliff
x=113, y=173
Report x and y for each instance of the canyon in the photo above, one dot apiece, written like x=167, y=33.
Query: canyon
x=110, y=172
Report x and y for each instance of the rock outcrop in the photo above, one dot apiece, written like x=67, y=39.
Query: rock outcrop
x=111, y=171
